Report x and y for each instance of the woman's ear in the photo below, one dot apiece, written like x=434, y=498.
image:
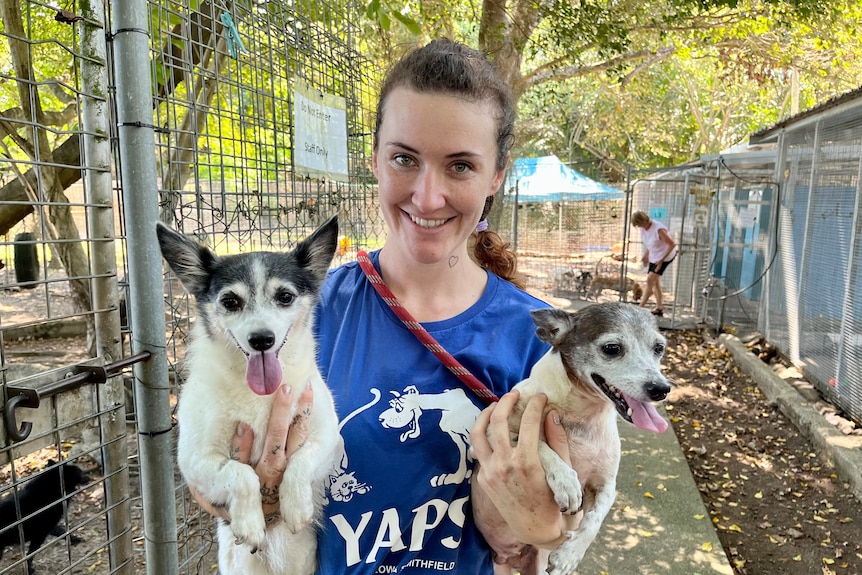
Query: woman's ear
x=499, y=176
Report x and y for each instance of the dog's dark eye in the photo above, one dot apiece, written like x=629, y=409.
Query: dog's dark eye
x=284, y=298
x=230, y=302
x=658, y=349
x=612, y=349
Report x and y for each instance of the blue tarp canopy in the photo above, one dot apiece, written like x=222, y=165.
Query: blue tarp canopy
x=547, y=179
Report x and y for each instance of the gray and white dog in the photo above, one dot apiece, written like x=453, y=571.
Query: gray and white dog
x=604, y=362
x=253, y=333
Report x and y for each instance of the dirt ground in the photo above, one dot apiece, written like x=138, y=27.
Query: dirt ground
x=777, y=508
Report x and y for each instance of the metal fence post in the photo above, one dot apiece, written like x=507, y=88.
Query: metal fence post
x=140, y=194
x=95, y=115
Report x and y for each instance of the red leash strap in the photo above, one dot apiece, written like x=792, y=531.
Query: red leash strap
x=421, y=333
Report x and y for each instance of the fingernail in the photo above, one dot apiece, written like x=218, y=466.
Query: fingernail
x=556, y=418
x=308, y=385
x=286, y=389
x=240, y=429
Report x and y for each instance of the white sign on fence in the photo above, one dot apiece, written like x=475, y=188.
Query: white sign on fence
x=320, y=133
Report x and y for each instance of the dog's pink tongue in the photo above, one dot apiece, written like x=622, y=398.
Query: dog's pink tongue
x=263, y=373
x=645, y=416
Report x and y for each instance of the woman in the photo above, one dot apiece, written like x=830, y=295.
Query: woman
x=659, y=251
x=399, y=496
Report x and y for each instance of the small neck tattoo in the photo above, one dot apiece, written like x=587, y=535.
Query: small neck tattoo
x=453, y=261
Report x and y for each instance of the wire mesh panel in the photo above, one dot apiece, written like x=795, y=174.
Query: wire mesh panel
x=719, y=212
x=744, y=230
x=815, y=306
x=683, y=200
x=64, y=501
x=565, y=227
x=231, y=85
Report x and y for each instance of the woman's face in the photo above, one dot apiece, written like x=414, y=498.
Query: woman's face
x=436, y=163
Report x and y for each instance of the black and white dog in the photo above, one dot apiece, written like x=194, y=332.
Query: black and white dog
x=251, y=334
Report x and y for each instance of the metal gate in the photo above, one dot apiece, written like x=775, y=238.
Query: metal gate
x=179, y=111
x=64, y=441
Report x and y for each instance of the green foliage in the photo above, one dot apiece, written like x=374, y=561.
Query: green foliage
x=661, y=83
x=52, y=68
x=384, y=12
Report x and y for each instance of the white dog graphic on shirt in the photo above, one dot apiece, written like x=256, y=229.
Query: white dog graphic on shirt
x=457, y=418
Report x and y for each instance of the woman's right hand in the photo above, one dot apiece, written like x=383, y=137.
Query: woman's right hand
x=283, y=438
x=512, y=476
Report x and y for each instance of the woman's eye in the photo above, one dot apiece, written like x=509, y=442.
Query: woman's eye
x=403, y=160
x=230, y=302
x=612, y=349
x=461, y=168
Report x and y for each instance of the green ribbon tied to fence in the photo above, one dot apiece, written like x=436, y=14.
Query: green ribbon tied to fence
x=234, y=44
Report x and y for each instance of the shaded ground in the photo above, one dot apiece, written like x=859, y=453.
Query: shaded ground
x=775, y=504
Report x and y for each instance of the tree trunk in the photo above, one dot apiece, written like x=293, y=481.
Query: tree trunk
x=68, y=154
x=48, y=186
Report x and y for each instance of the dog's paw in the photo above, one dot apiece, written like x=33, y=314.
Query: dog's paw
x=297, y=507
x=566, y=558
x=248, y=527
x=566, y=487
x=297, y=517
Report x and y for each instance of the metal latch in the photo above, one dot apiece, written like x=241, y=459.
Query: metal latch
x=77, y=376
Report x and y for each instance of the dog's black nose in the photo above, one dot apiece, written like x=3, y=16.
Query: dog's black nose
x=656, y=391
x=261, y=340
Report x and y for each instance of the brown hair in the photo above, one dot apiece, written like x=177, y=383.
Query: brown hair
x=640, y=219
x=448, y=67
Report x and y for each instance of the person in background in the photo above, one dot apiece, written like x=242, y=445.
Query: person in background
x=399, y=496
x=659, y=251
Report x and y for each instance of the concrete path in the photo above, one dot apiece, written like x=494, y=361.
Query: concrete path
x=658, y=524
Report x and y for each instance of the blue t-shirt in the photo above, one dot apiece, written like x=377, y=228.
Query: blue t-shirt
x=398, y=499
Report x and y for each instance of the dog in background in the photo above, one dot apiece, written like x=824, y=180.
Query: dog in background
x=40, y=502
x=600, y=283
x=571, y=280
x=604, y=363
x=253, y=333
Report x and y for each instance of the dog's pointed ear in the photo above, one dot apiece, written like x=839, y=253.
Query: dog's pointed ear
x=189, y=260
x=317, y=250
x=552, y=325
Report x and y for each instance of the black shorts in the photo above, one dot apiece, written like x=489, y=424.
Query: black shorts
x=659, y=269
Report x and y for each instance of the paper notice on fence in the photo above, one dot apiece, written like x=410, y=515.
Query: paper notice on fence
x=320, y=133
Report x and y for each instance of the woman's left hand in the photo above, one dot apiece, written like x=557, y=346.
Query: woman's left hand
x=513, y=476
x=284, y=436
